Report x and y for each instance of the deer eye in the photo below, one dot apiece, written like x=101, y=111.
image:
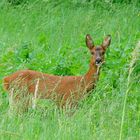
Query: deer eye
x=103, y=53
x=92, y=53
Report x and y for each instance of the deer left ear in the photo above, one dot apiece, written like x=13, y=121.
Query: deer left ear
x=106, y=41
x=89, y=42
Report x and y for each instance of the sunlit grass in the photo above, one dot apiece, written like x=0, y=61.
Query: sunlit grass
x=51, y=39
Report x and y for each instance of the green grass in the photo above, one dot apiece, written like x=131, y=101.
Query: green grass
x=50, y=38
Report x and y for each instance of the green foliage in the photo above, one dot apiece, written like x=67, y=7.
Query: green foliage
x=16, y=2
x=49, y=36
x=102, y=3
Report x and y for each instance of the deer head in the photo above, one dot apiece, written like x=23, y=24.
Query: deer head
x=98, y=51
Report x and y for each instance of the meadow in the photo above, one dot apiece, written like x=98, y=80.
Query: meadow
x=49, y=37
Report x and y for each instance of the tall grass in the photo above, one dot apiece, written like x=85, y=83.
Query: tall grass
x=50, y=38
x=135, y=57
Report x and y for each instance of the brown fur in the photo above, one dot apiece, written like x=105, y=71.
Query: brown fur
x=65, y=88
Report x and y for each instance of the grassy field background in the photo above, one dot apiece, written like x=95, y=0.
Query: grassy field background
x=49, y=36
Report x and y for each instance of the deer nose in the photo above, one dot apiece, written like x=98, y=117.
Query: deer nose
x=98, y=60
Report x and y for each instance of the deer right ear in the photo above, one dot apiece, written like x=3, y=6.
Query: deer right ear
x=106, y=41
x=89, y=41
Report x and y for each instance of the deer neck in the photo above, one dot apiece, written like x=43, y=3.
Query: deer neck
x=92, y=75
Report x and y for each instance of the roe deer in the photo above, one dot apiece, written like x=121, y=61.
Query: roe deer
x=67, y=88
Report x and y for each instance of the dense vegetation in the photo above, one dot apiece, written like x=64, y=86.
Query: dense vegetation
x=49, y=36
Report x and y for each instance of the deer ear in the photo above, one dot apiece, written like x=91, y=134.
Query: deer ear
x=106, y=41
x=89, y=41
